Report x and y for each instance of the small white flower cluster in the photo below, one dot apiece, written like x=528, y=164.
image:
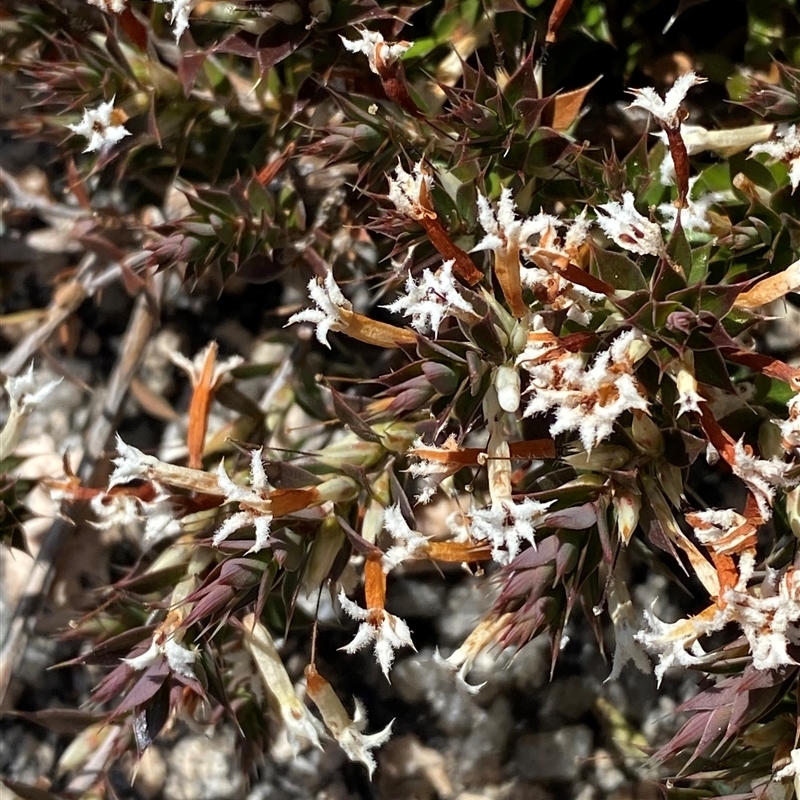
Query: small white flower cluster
x=762, y=476
x=388, y=632
x=785, y=147
x=376, y=49
x=508, y=237
x=253, y=503
x=158, y=515
x=694, y=215
x=768, y=616
x=409, y=544
x=506, y=524
x=163, y=645
x=178, y=14
x=626, y=227
x=431, y=299
x=504, y=231
x=330, y=301
x=102, y=126
x=587, y=400
x=666, y=111
x=410, y=193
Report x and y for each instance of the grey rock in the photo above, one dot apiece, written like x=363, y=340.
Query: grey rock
x=568, y=699
x=482, y=753
x=556, y=756
x=466, y=606
x=416, y=598
x=201, y=768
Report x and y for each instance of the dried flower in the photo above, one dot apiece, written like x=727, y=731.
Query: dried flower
x=624, y=225
x=431, y=299
x=724, y=530
x=348, y=733
x=23, y=398
x=626, y=625
x=102, y=126
x=786, y=147
x=301, y=727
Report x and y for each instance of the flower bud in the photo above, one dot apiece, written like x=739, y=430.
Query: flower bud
x=627, y=506
x=506, y=382
x=793, y=510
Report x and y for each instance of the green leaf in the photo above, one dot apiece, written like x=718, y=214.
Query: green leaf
x=617, y=270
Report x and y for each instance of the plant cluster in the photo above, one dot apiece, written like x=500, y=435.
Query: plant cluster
x=558, y=344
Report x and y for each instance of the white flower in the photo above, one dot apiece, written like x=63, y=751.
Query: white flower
x=23, y=395
x=158, y=514
x=791, y=770
x=114, y=6
x=625, y=226
x=785, y=148
x=411, y=193
x=724, y=530
x=410, y=544
x=506, y=524
x=769, y=618
x=761, y=476
x=676, y=643
x=102, y=126
x=686, y=383
x=768, y=615
x=179, y=658
x=330, y=302
x=194, y=367
x=504, y=232
x=389, y=633
x=666, y=111
x=375, y=48
x=431, y=299
x=694, y=216
x=349, y=734
x=301, y=726
x=179, y=15
x=790, y=428
x=587, y=400
x=254, y=504
x=131, y=464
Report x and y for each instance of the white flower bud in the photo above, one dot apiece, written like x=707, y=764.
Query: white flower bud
x=506, y=382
